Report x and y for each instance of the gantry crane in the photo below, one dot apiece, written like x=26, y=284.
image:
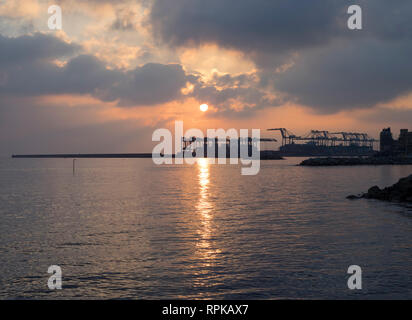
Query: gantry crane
x=326, y=138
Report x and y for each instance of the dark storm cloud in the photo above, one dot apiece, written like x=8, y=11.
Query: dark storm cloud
x=387, y=20
x=277, y=26
x=334, y=68
x=353, y=74
x=26, y=69
x=25, y=49
x=150, y=84
x=248, y=25
x=82, y=74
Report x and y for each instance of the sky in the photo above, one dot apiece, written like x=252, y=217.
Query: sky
x=119, y=70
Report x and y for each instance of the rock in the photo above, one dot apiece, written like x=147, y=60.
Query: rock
x=400, y=192
x=373, y=193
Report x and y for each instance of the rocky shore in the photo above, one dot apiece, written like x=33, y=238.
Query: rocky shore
x=354, y=161
x=399, y=192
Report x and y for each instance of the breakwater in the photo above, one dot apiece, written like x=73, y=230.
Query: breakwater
x=354, y=161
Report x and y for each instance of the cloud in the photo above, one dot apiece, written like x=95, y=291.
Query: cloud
x=274, y=27
x=28, y=48
x=301, y=51
x=81, y=75
x=27, y=68
x=237, y=95
x=19, y=8
x=352, y=74
x=248, y=25
x=126, y=20
x=387, y=22
x=329, y=67
x=150, y=84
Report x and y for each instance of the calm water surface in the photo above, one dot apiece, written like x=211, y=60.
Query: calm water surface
x=131, y=229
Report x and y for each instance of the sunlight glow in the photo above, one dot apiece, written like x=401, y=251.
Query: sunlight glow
x=204, y=107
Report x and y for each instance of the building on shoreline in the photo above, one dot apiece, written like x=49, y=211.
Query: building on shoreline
x=396, y=147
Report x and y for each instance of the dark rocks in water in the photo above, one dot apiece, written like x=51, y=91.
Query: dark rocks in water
x=353, y=197
x=399, y=192
x=354, y=161
x=374, y=193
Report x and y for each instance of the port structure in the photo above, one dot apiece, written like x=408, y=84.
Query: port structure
x=225, y=146
x=327, y=139
x=197, y=142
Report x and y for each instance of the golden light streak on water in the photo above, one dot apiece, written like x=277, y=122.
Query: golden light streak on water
x=205, y=210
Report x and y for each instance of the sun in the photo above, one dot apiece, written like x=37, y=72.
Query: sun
x=204, y=107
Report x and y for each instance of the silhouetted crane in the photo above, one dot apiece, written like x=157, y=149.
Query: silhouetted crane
x=326, y=138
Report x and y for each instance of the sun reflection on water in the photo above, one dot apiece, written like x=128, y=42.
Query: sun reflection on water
x=205, y=210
